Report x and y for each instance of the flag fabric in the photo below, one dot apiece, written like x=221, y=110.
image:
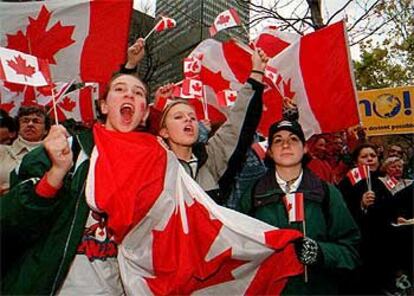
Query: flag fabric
x=68, y=34
x=173, y=238
x=260, y=148
x=271, y=74
x=78, y=105
x=357, y=174
x=294, y=204
x=317, y=72
x=391, y=182
x=21, y=68
x=227, y=97
x=272, y=41
x=226, y=19
x=164, y=24
x=192, y=87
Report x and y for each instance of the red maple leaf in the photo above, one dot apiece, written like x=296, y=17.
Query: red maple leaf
x=39, y=41
x=20, y=67
x=67, y=104
x=214, y=80
x=287, y=89
x=223, y=19
x=232, y=98
x=197, y=87
x=185, y=268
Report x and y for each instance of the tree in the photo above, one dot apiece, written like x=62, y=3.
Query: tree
x=390, y=62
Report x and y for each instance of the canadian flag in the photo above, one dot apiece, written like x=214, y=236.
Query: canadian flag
x=173, y=239
x=294, y=204
x=79, y=104
x=192, y=87
x=317, y=72
x=164, y=24
x=260, y=148
x=17, y=67
x=391, y=182
x=11, y=101
x=357, y=174
x=273, y=41
x=226, y=19
x=192, y=66
x=227, y=97
x=81, y=39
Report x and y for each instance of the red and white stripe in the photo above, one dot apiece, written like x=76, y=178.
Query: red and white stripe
x=294, y=204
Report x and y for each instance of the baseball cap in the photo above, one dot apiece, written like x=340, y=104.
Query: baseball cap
x=287, y=125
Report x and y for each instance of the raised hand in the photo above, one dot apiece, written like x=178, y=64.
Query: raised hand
x=60, y=154
x=259, y=61
x=136, y=53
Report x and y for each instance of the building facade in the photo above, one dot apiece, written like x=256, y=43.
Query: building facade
x=193, y=17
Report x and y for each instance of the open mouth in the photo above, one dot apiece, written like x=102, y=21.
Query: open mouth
x=189, y=129
x=127, y=111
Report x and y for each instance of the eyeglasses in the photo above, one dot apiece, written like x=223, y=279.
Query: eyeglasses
x=35, y=120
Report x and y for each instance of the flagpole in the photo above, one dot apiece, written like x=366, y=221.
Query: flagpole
x=368, y=178
x=304, y=234
x=54, y=105
x=205, y=107
x=152, y=30
x=62, y=94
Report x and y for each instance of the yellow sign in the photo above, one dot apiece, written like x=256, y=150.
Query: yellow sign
x=387, y=111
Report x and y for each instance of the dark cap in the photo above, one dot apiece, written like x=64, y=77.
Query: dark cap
x=286, y=125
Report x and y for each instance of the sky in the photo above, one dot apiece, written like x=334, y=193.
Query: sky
x=328, y=7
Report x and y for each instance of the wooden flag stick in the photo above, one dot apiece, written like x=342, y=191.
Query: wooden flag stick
x=150, y=32
x=205, y=105
x=304, y=234
x=54, y=106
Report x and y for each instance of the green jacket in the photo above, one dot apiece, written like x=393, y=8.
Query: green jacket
x=328, y=221
x=40, y=236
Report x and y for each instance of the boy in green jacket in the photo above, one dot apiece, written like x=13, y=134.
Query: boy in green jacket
x=291, y=196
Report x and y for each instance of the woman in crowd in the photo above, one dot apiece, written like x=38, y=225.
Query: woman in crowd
x=53, y=241
x=369, y=209
x=216, y=162
x=331, y=237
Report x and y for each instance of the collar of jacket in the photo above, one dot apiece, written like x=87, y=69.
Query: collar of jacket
x=85, y=140
x=311, y=186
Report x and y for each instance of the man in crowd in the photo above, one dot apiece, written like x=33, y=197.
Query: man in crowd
x=7, y=128
x=33, y=125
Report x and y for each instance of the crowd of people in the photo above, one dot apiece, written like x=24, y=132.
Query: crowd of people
x=358, y=237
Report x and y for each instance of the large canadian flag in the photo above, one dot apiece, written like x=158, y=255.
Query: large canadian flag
x=316, y=71
x=175, y=240
x=81, y=39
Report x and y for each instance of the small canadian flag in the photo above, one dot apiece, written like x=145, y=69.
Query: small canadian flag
x=192, y=87
x=227, y=19
x=391, y=182
x=161, y=102
x=271, y=74
x=165, y=23
x=357, y=174
x=260, y=148
x=192, y=66
x=19, y=67
x=226, y=98
x=294, y=204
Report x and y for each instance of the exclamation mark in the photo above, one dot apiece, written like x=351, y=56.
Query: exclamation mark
x=407, y=102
